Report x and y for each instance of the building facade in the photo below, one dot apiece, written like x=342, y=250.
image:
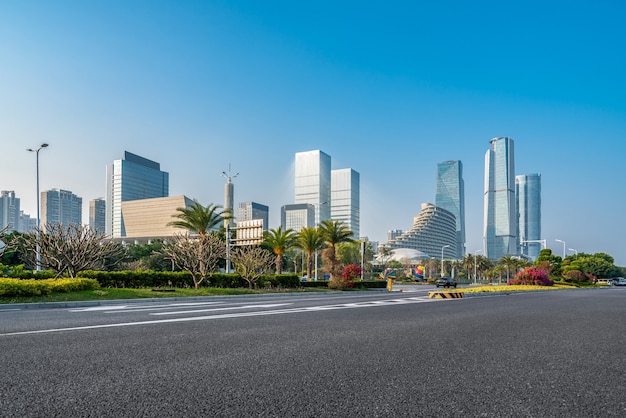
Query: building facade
x=61, y=207
x=146, y=219
x=345, y=199
x=97, y=214
x=528, y=196
x=249, y=211
x=500, y=214
x=27, y=223
x=313, y=182
x=297, y=216
x=450, y=195
x=131, y=178
x=9, y=211
x=433, y=232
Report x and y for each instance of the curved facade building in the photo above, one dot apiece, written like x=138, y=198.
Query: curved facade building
x=432, y=229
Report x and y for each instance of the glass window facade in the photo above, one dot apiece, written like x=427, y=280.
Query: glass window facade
x=450, y=195
x=297, y=216
x=61, y=207
x=528, y=196
x=312, y=182
x=132, y=178
x=249, y=211
x=9, y=211
x=500, y=214
x=345, y=196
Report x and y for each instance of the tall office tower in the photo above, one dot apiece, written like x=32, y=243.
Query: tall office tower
x=500, y=214
x=249, y=211
x=9, y=211
x=528, y=195
x=131, y=178
x=345, y=198
x=313, y=182
x=97, y=214
x=394, y=233
x=61, y=207
x=450, y=195
x=298, y=216
x=433, y=233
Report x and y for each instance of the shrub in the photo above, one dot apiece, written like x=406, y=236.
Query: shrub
x=532, y=276
x=34, y=287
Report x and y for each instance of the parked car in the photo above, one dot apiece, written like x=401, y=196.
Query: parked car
x=445, y=282
x=619, y=281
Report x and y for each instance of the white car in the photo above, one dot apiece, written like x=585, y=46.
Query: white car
x=619, y=281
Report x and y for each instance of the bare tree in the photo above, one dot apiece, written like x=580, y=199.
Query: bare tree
x=197, y=255
x=69, y=249
x=251, y=262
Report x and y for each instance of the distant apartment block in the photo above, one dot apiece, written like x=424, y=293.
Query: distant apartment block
x=26, y=223
x=528, y=196
x=297, y=216
x=345, y=198
x=97, y=214
x=9, y=211
x=393, y=234
x=128, y=179
x=62, y=207
x=249, y=211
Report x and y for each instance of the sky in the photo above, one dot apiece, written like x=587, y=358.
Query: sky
x=389, y=89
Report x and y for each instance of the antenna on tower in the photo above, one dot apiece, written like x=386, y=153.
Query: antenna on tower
x=229, y=176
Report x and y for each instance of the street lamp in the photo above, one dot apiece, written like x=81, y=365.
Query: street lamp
x=562, y=242
x=36, y=151
x=575, y=251
x=317, y=210
x=442, y=248
x=475, y=252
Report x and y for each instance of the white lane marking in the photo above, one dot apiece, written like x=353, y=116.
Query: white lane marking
x=223, y=316
x=137, y=308
x=231, y=308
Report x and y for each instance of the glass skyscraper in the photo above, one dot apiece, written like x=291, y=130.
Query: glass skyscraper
x=61, y=207
x=249, y=211
x=450, y=195
x=97, y=214
x=131, y=178
x=9, y=211
x=500, y=214
x=345, y=196
x=313, y=182
x=298, y=216
x=528, y=195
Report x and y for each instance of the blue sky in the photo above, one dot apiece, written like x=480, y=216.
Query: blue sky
x=389, y=89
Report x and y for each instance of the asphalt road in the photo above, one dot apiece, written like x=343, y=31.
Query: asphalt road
x=374, y=354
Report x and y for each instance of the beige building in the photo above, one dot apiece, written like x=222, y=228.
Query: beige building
x=146, y=219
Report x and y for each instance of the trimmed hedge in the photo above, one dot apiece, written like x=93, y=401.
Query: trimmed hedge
x=37, y=287
x=145, y=278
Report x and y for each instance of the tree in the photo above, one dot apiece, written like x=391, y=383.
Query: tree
x=384, y=254
x=508, y=262
x=146, y=257
x=280, y=242
x=251, y=262
x=334, y=232
x=198, y=219
x=309, y=240
x=553, y=261
x=69, y=249
x=199, y=256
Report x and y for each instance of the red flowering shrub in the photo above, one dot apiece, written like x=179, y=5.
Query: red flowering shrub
x=349, y=274
x=532, y=276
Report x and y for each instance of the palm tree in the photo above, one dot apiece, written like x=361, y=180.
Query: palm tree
x=280, y=242
x=309, y=240
x=199, y=219
x=508, y=262
x=334, y=232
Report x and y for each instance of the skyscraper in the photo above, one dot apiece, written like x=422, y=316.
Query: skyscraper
x=131, y=178
x=249, y=211
x=500, y=214
x=450, y=195
x=345, y=198
x=528, y=196
x=313, y=182
x=97, y=214
x=9, y=211
x=61, y=207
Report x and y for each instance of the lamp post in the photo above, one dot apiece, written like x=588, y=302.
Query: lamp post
x=562, y=242
x=575, y=251
x=442, y=248
x=317, y=216
x=475, y=252
x=36, y=151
